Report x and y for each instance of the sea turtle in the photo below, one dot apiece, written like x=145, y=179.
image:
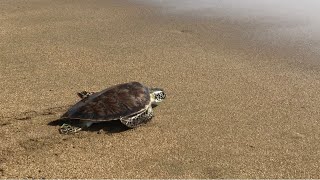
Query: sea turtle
x=131, y=103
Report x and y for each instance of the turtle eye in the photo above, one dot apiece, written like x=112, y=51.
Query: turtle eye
x=162, y=95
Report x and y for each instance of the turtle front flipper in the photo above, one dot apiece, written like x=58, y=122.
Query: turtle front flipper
x=138, y=119
x=84, y=94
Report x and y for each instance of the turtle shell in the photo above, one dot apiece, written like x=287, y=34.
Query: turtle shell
x=112, y=103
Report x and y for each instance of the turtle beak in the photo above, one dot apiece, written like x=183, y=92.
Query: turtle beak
x=163, y=95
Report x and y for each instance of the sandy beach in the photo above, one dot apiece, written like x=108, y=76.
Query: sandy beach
x=235, y=108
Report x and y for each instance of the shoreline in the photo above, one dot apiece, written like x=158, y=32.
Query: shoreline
x=233, y=109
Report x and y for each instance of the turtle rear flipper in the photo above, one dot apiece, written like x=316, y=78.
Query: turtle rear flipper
x=84, y=94
x=70, y=129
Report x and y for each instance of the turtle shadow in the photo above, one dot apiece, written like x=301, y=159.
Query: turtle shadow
x=108, y=127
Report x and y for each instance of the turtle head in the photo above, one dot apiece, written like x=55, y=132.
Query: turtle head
x=157, y=96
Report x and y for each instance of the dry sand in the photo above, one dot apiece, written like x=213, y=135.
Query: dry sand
x=234, y=109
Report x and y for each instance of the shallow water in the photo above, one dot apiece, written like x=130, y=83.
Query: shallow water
x=307, y=11
x=286, y=22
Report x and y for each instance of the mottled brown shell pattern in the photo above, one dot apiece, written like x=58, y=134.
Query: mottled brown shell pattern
x=112, y=103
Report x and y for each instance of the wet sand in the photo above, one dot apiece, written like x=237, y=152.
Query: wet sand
x=234, y=109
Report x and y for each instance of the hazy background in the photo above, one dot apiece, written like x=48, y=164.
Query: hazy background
x=286, y=22
x=290, y=9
